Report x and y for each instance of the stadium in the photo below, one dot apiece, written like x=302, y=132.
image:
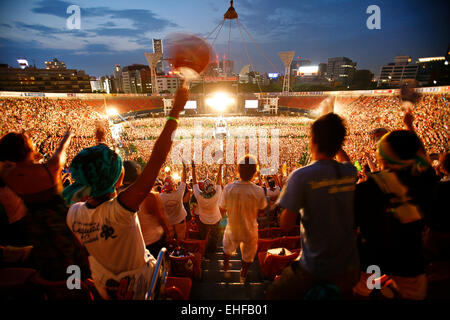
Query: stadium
x=222, y=194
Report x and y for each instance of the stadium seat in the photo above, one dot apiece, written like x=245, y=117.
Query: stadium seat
x=294, y=232
x=57, y=290
x=438, y=276
x=187, y=266
x=194, y=245
x=15, y=283
x=290, y=243
x=192, y=231
x=265, y=244
x=263, y=233
x=276, y=232
x=272, y=265
x=182, y=286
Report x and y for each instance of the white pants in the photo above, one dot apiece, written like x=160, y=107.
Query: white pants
x=248, y=248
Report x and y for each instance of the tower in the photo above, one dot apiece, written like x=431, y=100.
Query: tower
x=286, y=57
x=152, y=59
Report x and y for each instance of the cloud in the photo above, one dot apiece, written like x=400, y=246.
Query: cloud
x=111, y=29
x=142, y=20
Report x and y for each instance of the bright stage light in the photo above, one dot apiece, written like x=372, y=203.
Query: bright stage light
x=220, y=101
x=167, y=169
x=176, y=176
x=112, y=112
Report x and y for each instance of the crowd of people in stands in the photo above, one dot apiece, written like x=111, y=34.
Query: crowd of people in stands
x=366, y=199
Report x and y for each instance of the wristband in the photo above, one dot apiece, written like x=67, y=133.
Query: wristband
x=173, y=118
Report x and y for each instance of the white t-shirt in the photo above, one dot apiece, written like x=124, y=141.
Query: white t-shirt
x=208, y=209
x=242, y=200
x=112, y=236
x=151, y=228
x=173, y=204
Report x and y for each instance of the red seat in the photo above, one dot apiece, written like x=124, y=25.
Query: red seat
x=266, y=244
x=15, y=283
x=183, y=286
x=276, y=232
x=294, y=232
x=187, y=266
x=290, y=243
x=263, y=233
x=193, y=245
x=272, y=265
x=57, y=290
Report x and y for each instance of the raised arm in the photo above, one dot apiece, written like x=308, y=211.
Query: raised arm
x=194, y=174
x=184, y=174
x=132, y=197
x=57, y=161
x=408, y=120
x=219, y=176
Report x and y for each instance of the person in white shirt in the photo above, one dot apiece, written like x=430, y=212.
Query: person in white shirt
x=107, y=223
x=154, y=223
x=172, y=201
x=208, y=209
x=242, y=201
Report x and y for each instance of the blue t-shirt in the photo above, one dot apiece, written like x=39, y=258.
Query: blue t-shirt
x=324, y=191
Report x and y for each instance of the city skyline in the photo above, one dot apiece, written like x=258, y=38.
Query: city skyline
x=112, y=34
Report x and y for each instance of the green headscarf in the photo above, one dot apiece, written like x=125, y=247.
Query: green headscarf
x=97, y=168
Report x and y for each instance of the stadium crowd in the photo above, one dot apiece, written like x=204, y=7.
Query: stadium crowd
x=380, y=199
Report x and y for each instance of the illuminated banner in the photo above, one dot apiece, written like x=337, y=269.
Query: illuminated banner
x=191, y=104
x=34, y=94
x=308, y=71
x=217, y=79
x=251, y=104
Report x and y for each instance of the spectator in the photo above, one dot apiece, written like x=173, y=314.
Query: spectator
x=390, y=216
x=107, y=224
x=39, y=186
x=437, y=240
x=154, y=223
x=208, y=209
x=172, y=201
x=242, y=201
x=323, y=194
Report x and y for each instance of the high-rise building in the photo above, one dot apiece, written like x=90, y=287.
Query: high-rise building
x=433, y=71
x=55, y=64
x=44, y=80
x=158, y=48
x=295, y=64
x=117, y=83
x=323, y=69
x=226, y=67
x=341, y=69
x=394, y=74
x=168, y=84
x=136, y=79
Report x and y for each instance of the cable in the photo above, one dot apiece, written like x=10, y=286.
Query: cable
x=248, y=55
x=262, y=51
x=207, y=37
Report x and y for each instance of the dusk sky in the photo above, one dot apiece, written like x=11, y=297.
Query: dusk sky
x=119, y=32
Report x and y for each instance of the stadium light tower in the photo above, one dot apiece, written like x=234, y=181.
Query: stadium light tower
x=153, y=59
x=286, y=57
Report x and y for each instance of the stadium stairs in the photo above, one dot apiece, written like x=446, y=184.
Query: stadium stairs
x=214, y=286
